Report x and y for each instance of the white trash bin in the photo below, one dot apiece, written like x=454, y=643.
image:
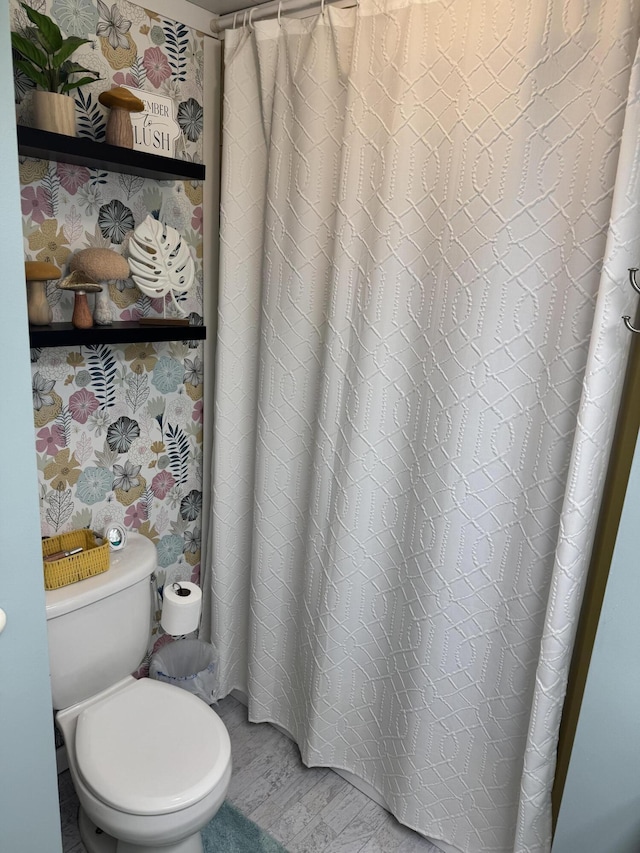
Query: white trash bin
x=190, y=664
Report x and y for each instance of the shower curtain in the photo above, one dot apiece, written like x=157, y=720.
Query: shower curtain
x=420, y=354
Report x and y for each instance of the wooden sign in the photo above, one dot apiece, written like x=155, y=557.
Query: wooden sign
x=155, y=130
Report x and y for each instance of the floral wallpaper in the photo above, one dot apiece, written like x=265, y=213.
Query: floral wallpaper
x=118, y=430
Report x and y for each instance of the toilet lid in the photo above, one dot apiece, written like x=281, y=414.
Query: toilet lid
x=151, y=749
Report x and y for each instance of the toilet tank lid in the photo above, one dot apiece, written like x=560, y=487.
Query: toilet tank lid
x=131, y=564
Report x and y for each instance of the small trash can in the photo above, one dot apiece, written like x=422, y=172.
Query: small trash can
x=190, y=664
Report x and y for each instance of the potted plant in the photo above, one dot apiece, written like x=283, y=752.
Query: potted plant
x=45, y=57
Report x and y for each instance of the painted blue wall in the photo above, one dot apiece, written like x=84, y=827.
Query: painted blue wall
x=600, y=810
x=29, y=817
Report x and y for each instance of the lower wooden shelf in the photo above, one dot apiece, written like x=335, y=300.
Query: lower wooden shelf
x=66, y=335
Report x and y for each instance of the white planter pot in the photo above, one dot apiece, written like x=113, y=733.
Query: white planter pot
x=54, y=112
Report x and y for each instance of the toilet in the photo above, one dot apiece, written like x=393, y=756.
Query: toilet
x=151, y=763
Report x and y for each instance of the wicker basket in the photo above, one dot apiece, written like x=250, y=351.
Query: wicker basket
x=92, y=560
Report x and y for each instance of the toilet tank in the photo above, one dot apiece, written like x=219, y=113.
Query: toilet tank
x=99, y=628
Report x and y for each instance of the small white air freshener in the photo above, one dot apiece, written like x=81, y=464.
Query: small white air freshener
x=116, y=536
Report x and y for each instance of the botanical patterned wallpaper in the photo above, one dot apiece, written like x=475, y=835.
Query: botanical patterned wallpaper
x=118, y=430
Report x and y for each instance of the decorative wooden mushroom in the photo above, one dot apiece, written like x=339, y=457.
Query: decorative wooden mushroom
x=121, y=102
x=101, y=265
x=80, y=285
x=37, y=274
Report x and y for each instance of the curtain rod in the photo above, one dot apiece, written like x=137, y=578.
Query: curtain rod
x=270, y=10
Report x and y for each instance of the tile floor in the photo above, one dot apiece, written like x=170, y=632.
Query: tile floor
x=308, y=810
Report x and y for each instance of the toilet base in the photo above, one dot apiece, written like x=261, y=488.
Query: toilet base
x=97, y=841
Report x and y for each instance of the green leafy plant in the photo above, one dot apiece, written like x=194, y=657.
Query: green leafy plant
x=45, y=57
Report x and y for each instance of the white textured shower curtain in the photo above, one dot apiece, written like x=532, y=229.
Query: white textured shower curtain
x=413, y=413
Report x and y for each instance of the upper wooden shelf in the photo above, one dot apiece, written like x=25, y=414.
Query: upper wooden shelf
x=66, y=335
x=98, y=155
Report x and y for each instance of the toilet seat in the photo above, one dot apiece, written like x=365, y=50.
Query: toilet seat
x=151, y=749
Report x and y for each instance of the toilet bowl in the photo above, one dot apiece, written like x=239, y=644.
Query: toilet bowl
x=151, y=763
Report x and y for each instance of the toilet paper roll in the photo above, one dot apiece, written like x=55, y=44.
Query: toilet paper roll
x=181, y=608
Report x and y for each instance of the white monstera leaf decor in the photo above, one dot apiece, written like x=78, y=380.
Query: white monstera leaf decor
x=160, y=260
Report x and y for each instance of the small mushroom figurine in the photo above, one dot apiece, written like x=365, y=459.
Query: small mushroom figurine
x=101, y=265
x=121, y=102
x=37, y=274
x=80, y=284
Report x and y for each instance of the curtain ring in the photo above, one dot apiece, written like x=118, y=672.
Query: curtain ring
x=322, y=9
x=279, y=11
x=253, y=8
x=244, y=18
x=235, y=15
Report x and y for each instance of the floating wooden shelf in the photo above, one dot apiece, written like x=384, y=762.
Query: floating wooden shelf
x=98, y=155
x=66, y=335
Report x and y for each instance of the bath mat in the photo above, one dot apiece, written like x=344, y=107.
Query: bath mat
x=231, y=832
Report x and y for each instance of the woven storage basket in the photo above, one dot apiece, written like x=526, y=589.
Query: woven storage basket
x=92, y=560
